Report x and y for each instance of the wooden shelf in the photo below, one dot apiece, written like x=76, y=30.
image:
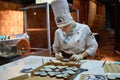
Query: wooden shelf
x=37, y=29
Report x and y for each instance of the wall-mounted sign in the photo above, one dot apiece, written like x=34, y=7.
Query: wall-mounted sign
x=44, y=1
x=49, y=1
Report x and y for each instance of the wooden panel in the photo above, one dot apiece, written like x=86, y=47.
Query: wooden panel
x=38, y=39
x=117, y=28
x=11, y=19
x=84, y=8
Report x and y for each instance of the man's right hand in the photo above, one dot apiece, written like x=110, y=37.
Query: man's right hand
x=58, y=56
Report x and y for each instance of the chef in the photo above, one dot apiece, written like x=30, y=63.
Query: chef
x=72, y=40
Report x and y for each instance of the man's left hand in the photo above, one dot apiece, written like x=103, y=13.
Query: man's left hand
x=76, y=57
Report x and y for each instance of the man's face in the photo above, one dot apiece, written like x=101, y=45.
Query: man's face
x=66, y=28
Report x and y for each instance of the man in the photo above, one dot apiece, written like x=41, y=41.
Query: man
x=72, y=40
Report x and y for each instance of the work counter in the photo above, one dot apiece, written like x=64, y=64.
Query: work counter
x=13, y=69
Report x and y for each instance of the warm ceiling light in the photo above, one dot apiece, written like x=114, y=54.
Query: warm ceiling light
x=34, y=13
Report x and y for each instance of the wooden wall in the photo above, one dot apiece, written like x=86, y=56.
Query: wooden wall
x=37, y=27
x=92, y=12
x=96, y=19
x=117, y=28
x=84, y=10
x=11, y=19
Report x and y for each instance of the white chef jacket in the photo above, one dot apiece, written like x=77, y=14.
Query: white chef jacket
x=79, y=40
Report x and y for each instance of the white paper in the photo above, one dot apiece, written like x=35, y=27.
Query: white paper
x=13, y=71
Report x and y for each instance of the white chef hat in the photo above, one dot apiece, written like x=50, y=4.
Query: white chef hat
x=61, y=12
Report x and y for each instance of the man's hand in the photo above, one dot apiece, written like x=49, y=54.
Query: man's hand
x=58, y=56
x=76, y=57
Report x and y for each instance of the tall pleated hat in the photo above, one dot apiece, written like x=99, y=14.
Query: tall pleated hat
x=61, y=13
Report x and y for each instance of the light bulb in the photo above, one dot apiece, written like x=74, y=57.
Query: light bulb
x=34, y=13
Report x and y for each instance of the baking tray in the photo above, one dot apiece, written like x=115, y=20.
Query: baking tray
x=85, y=76
x=111, y=68
x=33, y=77
x=55, y=64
